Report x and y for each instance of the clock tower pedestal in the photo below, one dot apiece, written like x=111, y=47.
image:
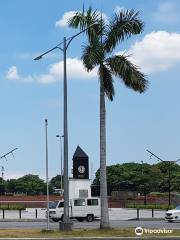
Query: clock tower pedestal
x=80, y=184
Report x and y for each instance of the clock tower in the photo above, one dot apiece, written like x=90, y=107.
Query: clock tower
x=80, y=164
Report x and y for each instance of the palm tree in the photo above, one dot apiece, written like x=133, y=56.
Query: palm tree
x=103, y=38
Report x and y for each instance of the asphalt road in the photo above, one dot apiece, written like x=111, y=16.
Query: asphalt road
x=160, y=224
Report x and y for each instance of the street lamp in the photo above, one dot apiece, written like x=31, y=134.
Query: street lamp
x=60, y=137
x=11, y=152
x=66, y=225
x=2, y=172
x=169, y=174
x=47, y=179
x=144, y=189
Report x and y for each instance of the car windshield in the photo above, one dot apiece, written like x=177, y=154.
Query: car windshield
x=178, y=207
x=53, y=205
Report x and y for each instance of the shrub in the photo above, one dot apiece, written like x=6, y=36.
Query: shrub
x=12, y=207
x=150, y=206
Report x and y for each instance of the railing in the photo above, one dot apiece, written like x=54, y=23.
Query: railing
x=32, y=210
x=27, y=214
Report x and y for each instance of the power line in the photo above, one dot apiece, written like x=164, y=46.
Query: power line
x=10, y=152
x=169, y=173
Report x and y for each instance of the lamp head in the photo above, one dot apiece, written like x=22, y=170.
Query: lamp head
x=38, y=58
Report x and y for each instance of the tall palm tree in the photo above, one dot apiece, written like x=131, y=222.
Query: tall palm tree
x=103, y=37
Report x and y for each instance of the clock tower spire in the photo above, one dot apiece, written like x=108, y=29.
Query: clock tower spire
x=80, y=164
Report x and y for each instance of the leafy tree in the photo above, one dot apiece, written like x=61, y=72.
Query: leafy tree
x=11, y=185
x=30, y=184
x=56, y=182
x=103, y=38
x=145, y=177
x=2, y=186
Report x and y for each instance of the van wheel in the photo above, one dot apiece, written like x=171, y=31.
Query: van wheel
x=80, y=219
x=62, y=218
x=89, y=218
x=171, y=221
x=55, y=219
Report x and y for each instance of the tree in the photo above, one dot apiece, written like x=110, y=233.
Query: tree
x=145, y=177
x=30, y=184
x=103, y=38
x=56, y=182
x=11, y=185
x=2, y=186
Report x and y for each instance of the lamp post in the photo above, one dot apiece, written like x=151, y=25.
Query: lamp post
x=169, y=174
x=67, y=225
x=47, y=178
x=60, y=137
x=144, y=187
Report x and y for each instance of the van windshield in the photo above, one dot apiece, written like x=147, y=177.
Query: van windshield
x=53, y=205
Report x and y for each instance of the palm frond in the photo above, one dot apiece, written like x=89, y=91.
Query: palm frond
x=106, y=81
x=83, y=20
x=77, y=21
x=92, y=55
x=123, y=25
x=128, y=72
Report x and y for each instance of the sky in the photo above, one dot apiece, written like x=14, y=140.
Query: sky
x=31, y=91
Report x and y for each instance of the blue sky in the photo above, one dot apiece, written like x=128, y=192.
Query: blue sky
x=32, y=90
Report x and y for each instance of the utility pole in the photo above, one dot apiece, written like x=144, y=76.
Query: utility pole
x=63, y=46
x=144, y=188
x=169, y=174
x=2, y=172
x=60, y=138
x=47, y=178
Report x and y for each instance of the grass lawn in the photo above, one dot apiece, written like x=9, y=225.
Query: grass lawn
x=33, y=233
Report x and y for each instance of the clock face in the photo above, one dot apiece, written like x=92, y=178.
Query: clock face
x=81, y=169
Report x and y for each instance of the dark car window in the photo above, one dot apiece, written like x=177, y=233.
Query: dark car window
x=79, y=202
x=61, y=204
x=53, y=205
x=92, y=202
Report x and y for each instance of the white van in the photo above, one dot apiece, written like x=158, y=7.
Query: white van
x=79, y=208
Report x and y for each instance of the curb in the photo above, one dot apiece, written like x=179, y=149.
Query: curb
x=97, y=238
x=22, y=220
x=146, y=219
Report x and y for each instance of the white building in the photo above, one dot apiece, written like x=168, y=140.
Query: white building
x=79, y=188
x=80, y=184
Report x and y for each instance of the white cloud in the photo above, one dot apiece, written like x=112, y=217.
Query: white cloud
x=104, y=17
x=157, y=51
x=63, y=22
x=167, y=13
x=119, y=8
x=12, y=73
x=75, y=71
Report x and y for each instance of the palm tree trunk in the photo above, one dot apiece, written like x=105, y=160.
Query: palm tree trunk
x=103, y=179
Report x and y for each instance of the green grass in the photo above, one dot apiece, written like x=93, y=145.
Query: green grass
x=149, y=206
x=12, y=207
x=37, y=233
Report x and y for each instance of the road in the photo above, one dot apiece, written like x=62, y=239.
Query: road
x=156, y=224
x=119, y=218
